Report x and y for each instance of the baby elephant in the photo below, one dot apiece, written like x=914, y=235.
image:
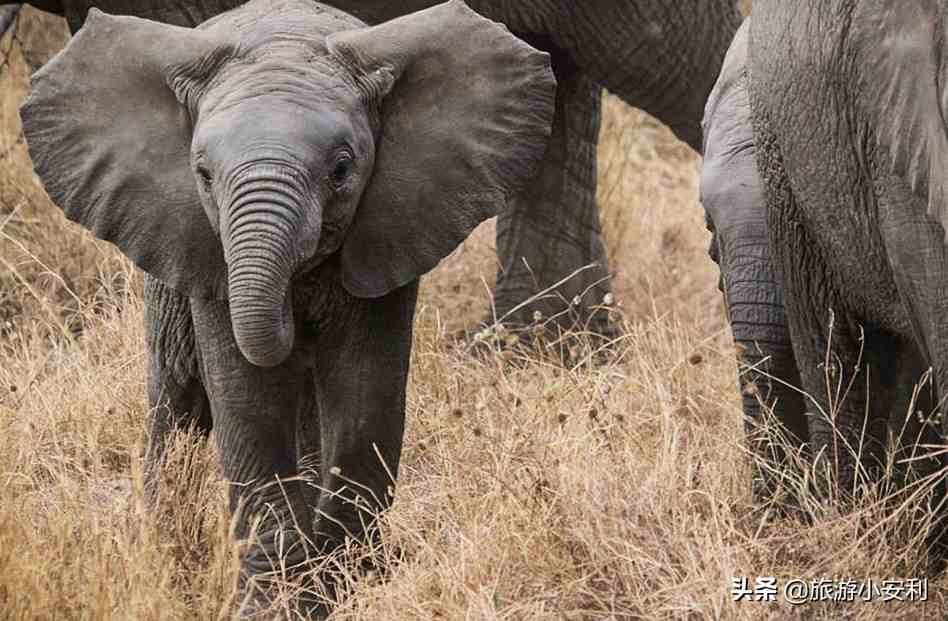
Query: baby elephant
x=284, y=175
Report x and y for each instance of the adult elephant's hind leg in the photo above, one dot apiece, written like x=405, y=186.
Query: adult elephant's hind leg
x=834, y=355
x=915, y=247
x=827, y=340
x=176, y=399
x=552, y=229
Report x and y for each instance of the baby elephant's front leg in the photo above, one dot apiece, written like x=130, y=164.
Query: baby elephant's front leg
x=255, y=411
x=362, y=370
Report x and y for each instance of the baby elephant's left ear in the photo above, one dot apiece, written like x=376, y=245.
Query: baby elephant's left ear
x=464, y=127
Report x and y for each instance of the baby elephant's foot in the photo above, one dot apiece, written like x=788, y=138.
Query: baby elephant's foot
x=265, y=600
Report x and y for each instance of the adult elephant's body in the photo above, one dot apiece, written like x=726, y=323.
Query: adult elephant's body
x=846, y=106
x=662, y=57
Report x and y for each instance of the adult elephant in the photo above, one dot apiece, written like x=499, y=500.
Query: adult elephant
x=733, y=195
x=284, y=177
x=662, y=57
x=848, y=104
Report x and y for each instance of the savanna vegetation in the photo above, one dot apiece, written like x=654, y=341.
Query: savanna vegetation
x=530, y=489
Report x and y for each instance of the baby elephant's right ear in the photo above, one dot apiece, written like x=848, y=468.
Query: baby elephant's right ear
x=111, y=143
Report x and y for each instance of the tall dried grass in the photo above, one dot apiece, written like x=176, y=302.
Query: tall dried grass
x=528, y=491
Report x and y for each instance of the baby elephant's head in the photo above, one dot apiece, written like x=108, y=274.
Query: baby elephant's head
x=226, y=159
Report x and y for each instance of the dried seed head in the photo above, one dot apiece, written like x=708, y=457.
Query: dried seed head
x=577, y=301
x=608, y=299
x=335, y=471
x=537, y=315
x=750, y=390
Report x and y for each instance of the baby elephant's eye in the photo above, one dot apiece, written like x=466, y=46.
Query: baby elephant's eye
x=341, y=170
x=204, y=175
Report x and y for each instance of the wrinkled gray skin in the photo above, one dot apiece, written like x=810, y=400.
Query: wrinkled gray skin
x=656, y=55
x=732, y=194
x=848, y=107
x=284, y=175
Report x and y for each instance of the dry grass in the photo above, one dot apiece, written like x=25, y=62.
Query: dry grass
x=528, y=491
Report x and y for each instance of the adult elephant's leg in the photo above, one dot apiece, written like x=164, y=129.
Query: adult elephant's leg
x=902, y=394
x=827, y=341
x=255, y=412
x=552, y=229
x=915, y=246
x=176, y=399
x=657, y=56
x=361, y=374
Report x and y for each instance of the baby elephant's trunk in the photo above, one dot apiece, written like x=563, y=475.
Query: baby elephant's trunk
x=260, y=229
